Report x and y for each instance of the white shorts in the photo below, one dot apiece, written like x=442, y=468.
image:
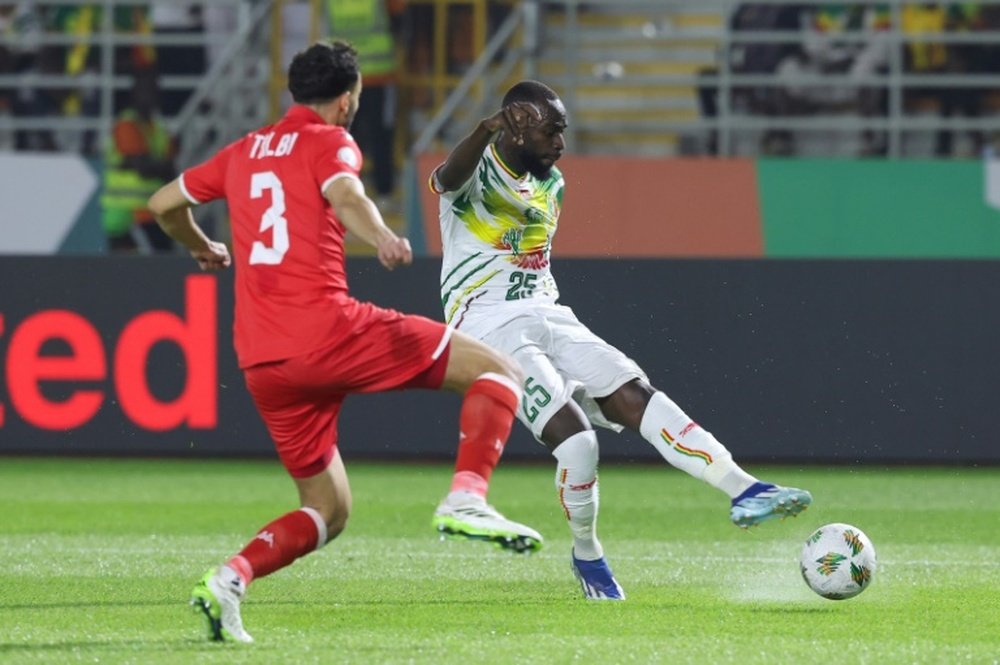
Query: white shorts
x=562, y=360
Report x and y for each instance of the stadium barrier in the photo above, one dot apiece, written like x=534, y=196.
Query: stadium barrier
x=843, y=361
x=763, y=208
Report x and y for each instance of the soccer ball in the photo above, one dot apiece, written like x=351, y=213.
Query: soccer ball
x=838, y=561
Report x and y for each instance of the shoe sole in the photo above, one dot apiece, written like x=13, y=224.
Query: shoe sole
x=512, y=542
x=203, y=605
x=790, y=507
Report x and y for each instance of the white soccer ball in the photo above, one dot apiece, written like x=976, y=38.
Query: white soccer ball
x=838, y=561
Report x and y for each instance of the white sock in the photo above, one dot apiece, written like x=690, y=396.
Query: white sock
x=463, y=498
x=576, y=482
x=685, y=445
x=231, y=579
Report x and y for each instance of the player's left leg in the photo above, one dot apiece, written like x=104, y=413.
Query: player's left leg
x=686, y=445
x=549, y=411
x=303, y=425
x=325, y=498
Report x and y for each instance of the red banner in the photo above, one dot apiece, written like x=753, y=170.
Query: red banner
x=643, y=208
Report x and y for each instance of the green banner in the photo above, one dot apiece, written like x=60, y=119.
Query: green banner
x=876, y=209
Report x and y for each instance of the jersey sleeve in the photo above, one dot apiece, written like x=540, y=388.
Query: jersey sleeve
x=471, y=188
x=433, y=181
x=336, y=156
x=206, y=181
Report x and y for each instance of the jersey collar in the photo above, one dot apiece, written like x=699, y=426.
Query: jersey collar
x=509, y=171
x=304, y=114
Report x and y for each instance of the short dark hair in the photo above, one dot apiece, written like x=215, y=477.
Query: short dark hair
x=322, y=72
x=529, y=91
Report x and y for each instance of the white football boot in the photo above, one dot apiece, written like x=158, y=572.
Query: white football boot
x=467, y=515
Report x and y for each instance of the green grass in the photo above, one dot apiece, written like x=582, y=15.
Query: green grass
x=97, y=558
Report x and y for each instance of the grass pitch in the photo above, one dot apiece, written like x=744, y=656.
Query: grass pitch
x=97, y=559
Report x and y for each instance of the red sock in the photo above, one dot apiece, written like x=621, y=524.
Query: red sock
x=485, y=421
x=278, y=544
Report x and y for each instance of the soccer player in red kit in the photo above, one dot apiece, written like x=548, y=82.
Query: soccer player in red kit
x=303, y=343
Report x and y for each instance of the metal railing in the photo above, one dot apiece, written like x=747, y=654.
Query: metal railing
x=614, y=64
x=619, y=65
x=229, y=97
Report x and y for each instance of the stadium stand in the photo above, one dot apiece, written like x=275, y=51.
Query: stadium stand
x=664, y=78
x=720, y=77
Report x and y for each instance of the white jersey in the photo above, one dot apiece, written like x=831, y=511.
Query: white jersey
x=496, y=285
x=497, y=233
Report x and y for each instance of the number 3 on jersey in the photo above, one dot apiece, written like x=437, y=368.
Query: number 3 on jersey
x=273, y=219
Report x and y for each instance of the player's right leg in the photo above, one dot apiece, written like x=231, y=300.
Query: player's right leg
x=491, y=383
x=575, y=448
x=554, y=418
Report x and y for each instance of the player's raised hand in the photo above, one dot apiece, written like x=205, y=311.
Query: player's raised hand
x=394, y=252
x=214, y=257
x=515, y=118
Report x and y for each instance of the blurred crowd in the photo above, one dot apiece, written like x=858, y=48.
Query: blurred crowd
x=843, y=40
x=63, y=40
x=29, y=49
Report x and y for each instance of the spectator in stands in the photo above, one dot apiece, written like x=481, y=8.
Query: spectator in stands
x=922, y=19
x=922, y=56
x=761, y=58
x=872, y=58
x=986, y=61
x=965, y=59
x=6, y=67
x=820, y=54
x=21, y=23
x=75, y=59
x=367, y=26
x=81, y=59
x=753, y=58
x=139, y=160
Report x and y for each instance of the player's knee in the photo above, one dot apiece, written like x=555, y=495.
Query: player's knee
x=336, y=526
x=510, y=369
x=471, y=359
x=336, y=521
x=565, y=423
x=627, y=405
x=334, y=511
x=494, y=362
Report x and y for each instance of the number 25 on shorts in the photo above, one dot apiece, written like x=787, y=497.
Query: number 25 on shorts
x=534, y=398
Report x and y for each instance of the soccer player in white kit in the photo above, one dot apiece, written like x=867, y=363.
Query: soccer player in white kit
x=500, y=199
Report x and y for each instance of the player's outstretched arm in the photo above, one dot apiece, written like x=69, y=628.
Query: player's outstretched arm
x=172, y=211
x=514, y=118
x=361, y=217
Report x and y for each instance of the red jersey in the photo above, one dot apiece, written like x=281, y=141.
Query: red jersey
x=288, y=247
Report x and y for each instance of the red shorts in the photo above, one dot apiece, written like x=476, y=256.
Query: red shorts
x=299, y=398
